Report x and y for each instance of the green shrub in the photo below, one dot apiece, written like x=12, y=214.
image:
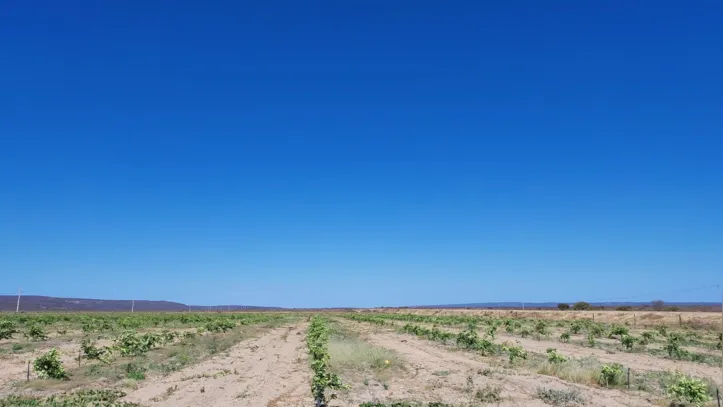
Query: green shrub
x=563, y=306
x=468, y=338
x=554, y=357
x=36, y=333
x=618, y=330
x=50, y=366
x=689, y=390
x=591, y=340
x=515, y=352
x=92, y=352
x=611, y=375
x=581, y=306
x=628, y=341
x=565, y=337
x=7, y=329
x=673, y=346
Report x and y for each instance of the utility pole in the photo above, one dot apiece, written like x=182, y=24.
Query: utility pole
x=133, y=305
x=17, y=307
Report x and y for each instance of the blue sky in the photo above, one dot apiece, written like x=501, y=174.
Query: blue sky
x=361, y=153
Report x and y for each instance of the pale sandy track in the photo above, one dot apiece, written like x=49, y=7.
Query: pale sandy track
x=425, y=358
x=271, y=371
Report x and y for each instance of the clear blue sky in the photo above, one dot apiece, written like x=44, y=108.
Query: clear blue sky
x=361, y=153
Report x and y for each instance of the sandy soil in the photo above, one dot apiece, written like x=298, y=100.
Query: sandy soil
x=271, y=371
x=438, y=374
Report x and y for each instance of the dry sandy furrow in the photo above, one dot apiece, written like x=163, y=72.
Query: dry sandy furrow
x=426, y=358
x=269, y=371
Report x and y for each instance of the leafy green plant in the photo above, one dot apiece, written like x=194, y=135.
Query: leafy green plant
x=611, y=375
x=468, y=338
x=541, y=328
x=132, y=344
x=719, y=345
x=317, y=339
x=220, y=326
x=672, y=346
x=554, y=357
x=36, y=333
x=618, y=330
x=92, y=352
x=524, y=332
x=50, y=366
x=597, y=330
x=85, y=398
x=663, y=331
x=628, y=341
x=591, y=340
x=7, y=329
x=515, y=352
x=576, y=327
x=565, y=337
x=688, y=390
x=647, y=337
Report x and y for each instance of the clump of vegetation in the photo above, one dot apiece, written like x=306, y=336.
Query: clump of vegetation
x=565, y=337
x=576, y=327
x=524, y=332
x=591, y=340
x=515, y=352
x=541, y=328
x=628, y=341
x=50, y=366
x=92, y=352
x=582, y=306
x=36, y=333
x=489, y=394
x=563, y=306
x=611, y=375
x=554, y=357
x=95, y=398
x=673, y=348
x=689, y=390
x=468, y=338
x=647, y=337
x=317, y=339
x=221, y=325
x=560, y=398
x=619, y=331
x=7, y=329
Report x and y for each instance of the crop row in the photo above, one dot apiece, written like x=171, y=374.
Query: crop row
x=317, y=340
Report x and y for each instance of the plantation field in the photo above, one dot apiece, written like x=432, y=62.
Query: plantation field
x=372, y=358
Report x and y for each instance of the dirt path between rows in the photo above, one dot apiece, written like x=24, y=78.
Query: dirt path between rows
x=271, y=371
x=438, y=374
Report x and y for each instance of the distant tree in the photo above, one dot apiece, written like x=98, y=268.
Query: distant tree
x=581, y=306
x=563, y=306
x=624, y=308
x=658, y=305
x=673, y=308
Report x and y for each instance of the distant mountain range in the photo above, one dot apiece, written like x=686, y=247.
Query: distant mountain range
x=533, y=305
x=43, y=303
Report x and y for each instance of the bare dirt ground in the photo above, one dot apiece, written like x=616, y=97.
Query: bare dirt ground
x=438, y=374
x=271, y=371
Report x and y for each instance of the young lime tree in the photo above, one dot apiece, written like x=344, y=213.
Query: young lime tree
x=50, y=366
x=688, y=390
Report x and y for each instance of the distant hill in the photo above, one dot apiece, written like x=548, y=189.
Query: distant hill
x=553, y=305
x=43, y=303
